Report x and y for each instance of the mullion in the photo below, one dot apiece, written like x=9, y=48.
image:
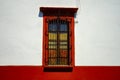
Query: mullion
x=58, y=53
x=68, y=42
x=49, y=59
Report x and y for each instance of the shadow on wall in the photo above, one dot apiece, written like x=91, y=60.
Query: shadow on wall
x=40, y=14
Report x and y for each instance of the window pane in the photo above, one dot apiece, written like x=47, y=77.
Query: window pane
x=63, y=61
x=52, y=27
x=52, y=53
x=63, y=53
x=63, y=27
x=50, y=42
x=63, y=47
x=52, y=61
x=63, y=36
x=63, y=43
x=52, y=47
x=52, y=36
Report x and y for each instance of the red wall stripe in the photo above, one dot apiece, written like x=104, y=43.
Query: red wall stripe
x=78, y=73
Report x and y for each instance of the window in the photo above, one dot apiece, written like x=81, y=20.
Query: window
x=58, y=36
x=58, y=42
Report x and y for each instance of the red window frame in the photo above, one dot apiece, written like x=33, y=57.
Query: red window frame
x=63, y=13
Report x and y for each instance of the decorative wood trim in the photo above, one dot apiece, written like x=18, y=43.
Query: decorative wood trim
x=58, y=10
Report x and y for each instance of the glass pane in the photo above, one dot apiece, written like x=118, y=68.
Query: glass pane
x=52, y=36
x=63, y=36
x=50, y=42
x=53, y=61
x=63, y=53
x=63, y=43
x=52, y=27
x=63, y=27
x=52, y=53
x=63, y=46
x=63, y=61
x=52, y=46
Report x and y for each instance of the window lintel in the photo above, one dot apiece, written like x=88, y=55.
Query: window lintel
x=58, y=10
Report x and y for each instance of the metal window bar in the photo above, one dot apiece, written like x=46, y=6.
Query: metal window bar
x=58, y=37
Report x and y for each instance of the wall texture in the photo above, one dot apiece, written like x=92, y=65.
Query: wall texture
x=97, y=30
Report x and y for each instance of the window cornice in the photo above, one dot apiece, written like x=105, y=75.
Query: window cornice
x=58, y=10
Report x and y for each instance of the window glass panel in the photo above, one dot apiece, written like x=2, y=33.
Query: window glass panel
x=50, y=42
x=52, y=36
x=63, y=36
x=52, y=61
x=52, y=27
x=52, y=47
x=63, y=43
x=52, y=53
x=63, y=53
x=63, y=27
x=63, y=61
x=63, y=47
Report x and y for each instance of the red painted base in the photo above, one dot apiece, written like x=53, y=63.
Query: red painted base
x=78, y=73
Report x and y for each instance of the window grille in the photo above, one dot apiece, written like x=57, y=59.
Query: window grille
x=58, y=42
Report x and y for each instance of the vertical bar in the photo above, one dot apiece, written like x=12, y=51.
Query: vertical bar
x=68, y=52
x=48, y=22
x=57, y=40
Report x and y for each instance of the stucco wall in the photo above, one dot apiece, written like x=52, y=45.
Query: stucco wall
x=20, y=32
x=97, y=31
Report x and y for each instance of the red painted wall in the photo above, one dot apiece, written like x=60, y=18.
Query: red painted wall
x=78, y=73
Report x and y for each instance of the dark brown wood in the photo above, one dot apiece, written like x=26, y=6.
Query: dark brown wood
x=58, y=11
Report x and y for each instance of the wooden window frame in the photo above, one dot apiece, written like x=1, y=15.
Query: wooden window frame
x=63, y=13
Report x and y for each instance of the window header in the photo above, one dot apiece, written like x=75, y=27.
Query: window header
x=58, y=10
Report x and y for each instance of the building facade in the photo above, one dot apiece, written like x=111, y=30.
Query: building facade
x=84, y=45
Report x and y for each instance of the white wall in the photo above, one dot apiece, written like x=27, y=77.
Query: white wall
x=98, y=33
x=20, y=32
x=97, y=40
x=58, y=3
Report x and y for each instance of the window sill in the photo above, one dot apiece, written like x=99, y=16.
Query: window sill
x=58, y=68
